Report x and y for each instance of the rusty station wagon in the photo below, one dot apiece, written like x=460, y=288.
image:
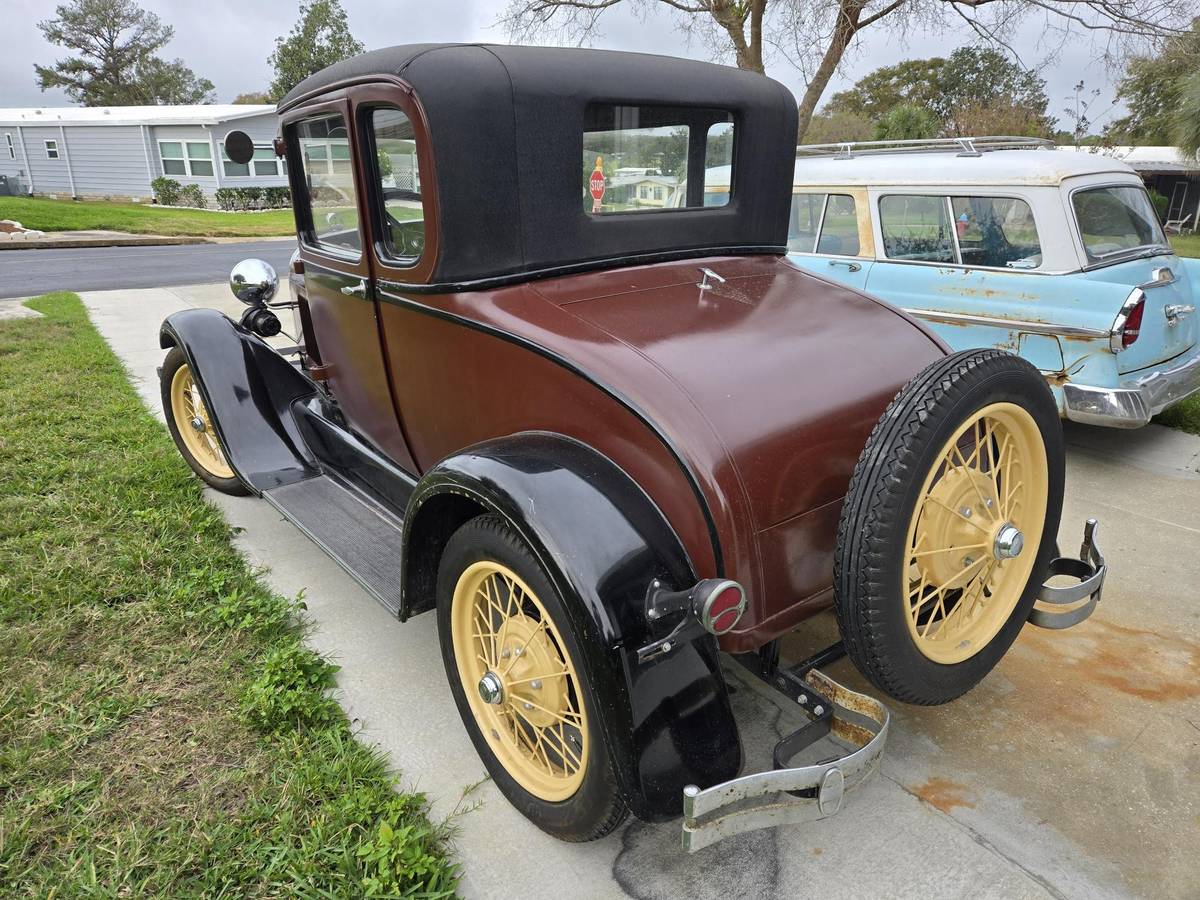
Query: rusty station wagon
x=604, y=434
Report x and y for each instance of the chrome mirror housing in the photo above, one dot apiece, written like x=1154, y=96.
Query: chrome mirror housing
x=254, y=282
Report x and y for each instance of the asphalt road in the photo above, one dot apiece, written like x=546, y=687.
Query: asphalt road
x=25, y=273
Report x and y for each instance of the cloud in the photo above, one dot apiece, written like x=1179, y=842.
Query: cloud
x=229, y=41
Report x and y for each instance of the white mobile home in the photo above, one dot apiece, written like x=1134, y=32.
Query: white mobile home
x=114, y=152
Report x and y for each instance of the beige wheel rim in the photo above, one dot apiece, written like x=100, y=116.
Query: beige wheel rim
x=984, y=497
x=519, y=681
x=194, y=425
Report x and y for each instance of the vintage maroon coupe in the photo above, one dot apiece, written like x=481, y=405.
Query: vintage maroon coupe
x=604, y=430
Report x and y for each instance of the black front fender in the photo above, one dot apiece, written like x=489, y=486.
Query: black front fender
x=248, y=389
x=667, y=721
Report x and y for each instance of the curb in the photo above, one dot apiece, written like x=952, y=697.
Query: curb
x=101, y=242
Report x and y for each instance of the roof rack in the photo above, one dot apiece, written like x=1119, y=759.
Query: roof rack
x=966, y=146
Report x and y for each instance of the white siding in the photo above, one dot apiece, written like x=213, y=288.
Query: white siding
x=107, y=160
x=49, y=175
x=262, y=130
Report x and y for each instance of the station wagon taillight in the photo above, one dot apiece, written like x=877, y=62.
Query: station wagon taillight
x=1128, y=325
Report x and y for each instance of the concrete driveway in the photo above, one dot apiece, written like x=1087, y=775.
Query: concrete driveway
x=1072, y=771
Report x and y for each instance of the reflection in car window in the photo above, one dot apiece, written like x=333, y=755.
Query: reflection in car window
x=804, y=222
x=1115, y=220
x=398, y=179
x=996, y=231
x=635, y=158
x=916, y=228
x=329, y=178
x=839, y=227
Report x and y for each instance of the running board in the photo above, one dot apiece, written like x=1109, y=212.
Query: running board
x=359, y=536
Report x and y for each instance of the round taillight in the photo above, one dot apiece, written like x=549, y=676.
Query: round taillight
x=720, y=606
x=1133, y=324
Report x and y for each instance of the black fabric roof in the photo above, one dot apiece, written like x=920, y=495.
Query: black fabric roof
x=506, y=125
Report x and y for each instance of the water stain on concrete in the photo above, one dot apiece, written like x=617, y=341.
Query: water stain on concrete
x=944, y=794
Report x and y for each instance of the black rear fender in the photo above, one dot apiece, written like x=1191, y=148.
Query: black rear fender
x=248, y=389
x=602, y=541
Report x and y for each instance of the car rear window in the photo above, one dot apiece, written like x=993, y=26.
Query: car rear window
x=916, y=228
x=996, y=231
x=823, y=223
x=635, y=158
x=1115, y=220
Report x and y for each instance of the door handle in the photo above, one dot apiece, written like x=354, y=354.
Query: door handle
x=356, y=290
x=852, y=266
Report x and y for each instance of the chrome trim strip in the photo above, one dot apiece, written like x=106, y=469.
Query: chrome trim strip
x=1116, y=335
x=953, y=318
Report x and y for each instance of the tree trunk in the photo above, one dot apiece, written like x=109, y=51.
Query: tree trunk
x=847, y=25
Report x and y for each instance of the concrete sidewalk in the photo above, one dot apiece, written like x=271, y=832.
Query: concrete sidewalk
x=1072, y=771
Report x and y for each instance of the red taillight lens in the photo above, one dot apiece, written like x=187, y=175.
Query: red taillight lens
x=721, y=606
x=1133, y=324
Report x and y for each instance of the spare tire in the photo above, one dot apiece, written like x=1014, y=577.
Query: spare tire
x=949, y=525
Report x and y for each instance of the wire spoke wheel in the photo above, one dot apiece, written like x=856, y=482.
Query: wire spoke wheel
x=519, y=680
x=982, y=503
x=194, y=424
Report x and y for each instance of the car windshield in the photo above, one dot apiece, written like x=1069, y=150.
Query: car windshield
x=1115, y=221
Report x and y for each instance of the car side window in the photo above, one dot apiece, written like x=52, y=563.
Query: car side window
x=328, y=179
x=916, y=228
x=805, y=221
x=996, y=231
x=398, y=185
x=839, y=227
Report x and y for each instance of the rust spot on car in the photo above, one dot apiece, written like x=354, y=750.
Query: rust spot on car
x=943, y=794
x=1056, y=379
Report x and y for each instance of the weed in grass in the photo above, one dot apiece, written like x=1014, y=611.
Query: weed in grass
x=131, y=635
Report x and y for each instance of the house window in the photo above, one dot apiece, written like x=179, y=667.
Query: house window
x=193, y=158
x=12, y=151
x=264, y=165
x=51, y=149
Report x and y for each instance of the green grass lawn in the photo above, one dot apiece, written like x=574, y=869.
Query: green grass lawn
x=143, y=218
x=1186, y=244
x=163, y=729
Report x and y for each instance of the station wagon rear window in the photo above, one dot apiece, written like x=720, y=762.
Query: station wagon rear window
x=635, y=158
x=992, y=232
x=823, y=223
x=1115, y=220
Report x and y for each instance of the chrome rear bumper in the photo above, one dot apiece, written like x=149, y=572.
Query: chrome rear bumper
x=1136, y=401
x=789, y=796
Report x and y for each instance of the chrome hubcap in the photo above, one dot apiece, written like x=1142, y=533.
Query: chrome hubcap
x=197, y=424
x=491, y=689
x=1009, y=542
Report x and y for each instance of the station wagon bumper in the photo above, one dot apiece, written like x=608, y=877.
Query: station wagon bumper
x=1136, y=401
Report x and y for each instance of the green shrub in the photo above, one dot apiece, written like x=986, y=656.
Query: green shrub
x=1160, y=205
x=191, y=195
x=227, y=198
x=277, y=198
x=290, y=691
x=166, y=190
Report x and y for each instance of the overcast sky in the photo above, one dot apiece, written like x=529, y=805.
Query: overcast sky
x=228, y=41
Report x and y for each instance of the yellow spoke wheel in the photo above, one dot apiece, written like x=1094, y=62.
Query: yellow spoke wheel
x=519, y=680
x=194, y=425
x=974, y=533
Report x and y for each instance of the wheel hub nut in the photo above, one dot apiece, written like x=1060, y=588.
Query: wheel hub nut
x=491, y=689
x=197, y=423
x=1009, y=542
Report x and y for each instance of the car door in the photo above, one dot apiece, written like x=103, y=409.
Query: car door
x=328, y=193
x=829, y=234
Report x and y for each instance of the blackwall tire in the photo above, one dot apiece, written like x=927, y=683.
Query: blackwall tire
x=538, y=734
x=964, y=468
x=199, y=445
